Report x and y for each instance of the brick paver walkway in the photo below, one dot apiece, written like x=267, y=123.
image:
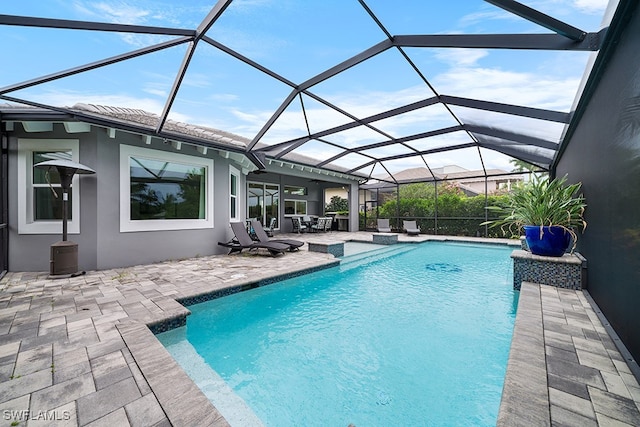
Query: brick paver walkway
x=78, y=352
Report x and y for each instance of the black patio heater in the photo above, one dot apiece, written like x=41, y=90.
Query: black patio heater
x=64, y=255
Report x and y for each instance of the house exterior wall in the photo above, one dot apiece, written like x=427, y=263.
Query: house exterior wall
x=31, y=252
x=101, y=242
x=604, y=154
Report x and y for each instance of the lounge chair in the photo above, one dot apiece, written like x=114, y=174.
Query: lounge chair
x=411, y=228
x=383, y=225
x=244, y=241
x=264, y=238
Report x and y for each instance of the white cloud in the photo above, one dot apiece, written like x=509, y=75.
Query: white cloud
x=461, y=57
x=591, y=6
x=496, y=14
x=529, y=89
x=117, y=11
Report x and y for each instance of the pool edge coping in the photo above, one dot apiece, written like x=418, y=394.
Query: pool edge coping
x=180, y=398
x=533, y=391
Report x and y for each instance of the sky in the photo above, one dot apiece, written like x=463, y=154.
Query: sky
x=297, y=40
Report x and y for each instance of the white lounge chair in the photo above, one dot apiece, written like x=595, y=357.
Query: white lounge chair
x=383, y=225
x=411, y=228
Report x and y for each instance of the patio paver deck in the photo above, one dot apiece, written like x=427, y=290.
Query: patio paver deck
x=77, y=351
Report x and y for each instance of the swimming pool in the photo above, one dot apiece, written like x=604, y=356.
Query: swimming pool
x=419, y=337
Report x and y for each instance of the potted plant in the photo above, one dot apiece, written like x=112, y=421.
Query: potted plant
x=549, y=212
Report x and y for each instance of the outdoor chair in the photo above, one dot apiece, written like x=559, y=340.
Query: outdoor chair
x=244, y=241
x=264, y=238
x=298, y=226
x=328, y=223
x=383, y=225
x=411, y=228
x=318, y=226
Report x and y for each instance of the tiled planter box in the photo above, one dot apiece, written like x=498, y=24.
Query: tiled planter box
x=385, y=239
x=335, y=249
x=567, y=271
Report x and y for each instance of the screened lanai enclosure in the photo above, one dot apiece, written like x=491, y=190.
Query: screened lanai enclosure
x=368, y=88
x=442, y=102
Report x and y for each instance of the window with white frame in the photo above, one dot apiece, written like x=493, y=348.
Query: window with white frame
x=164, y=191
x=39, y=191
x=295, y=207
x=234, y=190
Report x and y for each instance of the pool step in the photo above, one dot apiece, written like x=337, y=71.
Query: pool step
x=356, y=260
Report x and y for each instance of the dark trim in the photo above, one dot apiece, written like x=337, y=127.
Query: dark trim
x=4, y=201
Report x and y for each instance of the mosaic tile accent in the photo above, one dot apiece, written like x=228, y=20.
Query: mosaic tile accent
x=385, y=239
x=168, y=324
x=208, y=296
x=562, y=272
x=335, y=249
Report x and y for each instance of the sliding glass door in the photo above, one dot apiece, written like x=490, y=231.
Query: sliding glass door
x=263, y=201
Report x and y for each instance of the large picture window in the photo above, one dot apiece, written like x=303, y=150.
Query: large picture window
x=164, y=191
x=39, y=191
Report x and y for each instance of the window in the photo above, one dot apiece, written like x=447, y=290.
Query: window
x=295, y=207
x=263, y=201
x=234, y=182
x=164, y=191
x=39, y=192
x=295, y=191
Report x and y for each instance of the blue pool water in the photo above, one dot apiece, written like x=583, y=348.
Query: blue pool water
x=420, y=337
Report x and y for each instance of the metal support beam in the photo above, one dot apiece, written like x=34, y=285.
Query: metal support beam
x=390, y=113
x=512, y=136
x=28, y=21
x=355, y=60
x=93, y=65
x=515, y=110
x=211, y=17
x=540, y=18
x=419, y=153
x=499, y=41
x=176, y=84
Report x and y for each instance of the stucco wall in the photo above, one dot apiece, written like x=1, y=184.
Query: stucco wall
x=31, y=252
x=604, y=153
x=101, y=244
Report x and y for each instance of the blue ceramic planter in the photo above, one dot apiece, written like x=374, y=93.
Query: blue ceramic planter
x=554, y=242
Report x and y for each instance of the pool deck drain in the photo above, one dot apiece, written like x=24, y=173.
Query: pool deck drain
x=78, y=352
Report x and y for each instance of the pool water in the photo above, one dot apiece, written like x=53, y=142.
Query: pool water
x=418, y=337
